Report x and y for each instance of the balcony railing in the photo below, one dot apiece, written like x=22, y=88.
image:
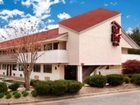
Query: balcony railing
x=53, y=56
x=8, y=58
x=126, y=57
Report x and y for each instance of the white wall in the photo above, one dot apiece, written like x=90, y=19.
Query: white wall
x=110, y=71
x=126, y=57
x=53, y=56
x=125, y=44
x=72, y=45
x=2, y=71
x=96, y=46
x=56, y=73
x=50, y=56
x=7, y=58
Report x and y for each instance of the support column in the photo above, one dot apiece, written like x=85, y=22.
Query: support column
x=79, y=73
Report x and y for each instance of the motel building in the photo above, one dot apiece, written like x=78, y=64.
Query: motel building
x=91, y=43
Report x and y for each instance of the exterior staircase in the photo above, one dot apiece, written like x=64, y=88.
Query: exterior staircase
x=87, y=70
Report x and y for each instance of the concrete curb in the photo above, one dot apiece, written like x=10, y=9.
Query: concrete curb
x=73, y=96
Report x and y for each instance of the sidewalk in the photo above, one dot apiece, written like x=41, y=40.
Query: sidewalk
x=85, y=91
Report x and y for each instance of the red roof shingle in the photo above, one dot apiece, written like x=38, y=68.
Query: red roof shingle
x=84, y=21
x=38, y=37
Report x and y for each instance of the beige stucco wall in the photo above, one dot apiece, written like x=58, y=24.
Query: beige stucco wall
x=95, y=47
x=118, y=67
x=72, y=45
x=124, y=44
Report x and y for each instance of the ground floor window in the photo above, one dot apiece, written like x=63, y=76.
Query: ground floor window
x=47, y=68
x=4, y=66
x=14, y=67
x=20, y=67
x=36, y=68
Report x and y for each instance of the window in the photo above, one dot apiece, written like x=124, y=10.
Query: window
x=4, y=66
x=20, y=67
x=62, y=45
x=14, y=67
x=3, y=52
x=48, y=46
x=0, y=52
x=55, y=45
x=47, y=68
x=36, y=68
x=39, y=48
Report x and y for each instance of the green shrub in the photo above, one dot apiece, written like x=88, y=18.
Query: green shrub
x=7, y=93
x=14, y=92
x=34, y=82
x=136, y=79
x=3, y=87
x=1, y=95
x=25, y=93
x=17, y=95
x=115, y=79
x=97, y=81
x=14, y=86
x=43, y=87
x=73, y=86
x=127, y=79
x=59, y=87
x=8, y=96
x=34, y=93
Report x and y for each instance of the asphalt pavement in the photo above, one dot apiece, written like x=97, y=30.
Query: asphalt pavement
x=125, y=98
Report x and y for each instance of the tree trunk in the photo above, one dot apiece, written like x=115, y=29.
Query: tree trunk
x=27, y=80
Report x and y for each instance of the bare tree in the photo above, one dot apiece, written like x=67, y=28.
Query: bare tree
x=24, y=48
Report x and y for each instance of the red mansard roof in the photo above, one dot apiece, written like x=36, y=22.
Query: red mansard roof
x=38, y=37
x=77, y=23
x=84, y=21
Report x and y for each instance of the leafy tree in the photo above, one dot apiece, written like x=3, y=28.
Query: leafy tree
x=135, y=35
x=24, y=48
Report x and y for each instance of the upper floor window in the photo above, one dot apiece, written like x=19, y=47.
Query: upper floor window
x=36, y=68
x=48, y=46
x=55, y=45
x=62, y=45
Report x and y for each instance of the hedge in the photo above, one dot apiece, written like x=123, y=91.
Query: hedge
x=97, y=81
x=3, y=87
x=43, y=87
x=34, y=82
x=136, y=79
x=58, y=87
x=14, y=86
x=73, y=86
x=115, y=79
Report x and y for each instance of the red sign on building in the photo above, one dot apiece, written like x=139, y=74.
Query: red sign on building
x=115, y=34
